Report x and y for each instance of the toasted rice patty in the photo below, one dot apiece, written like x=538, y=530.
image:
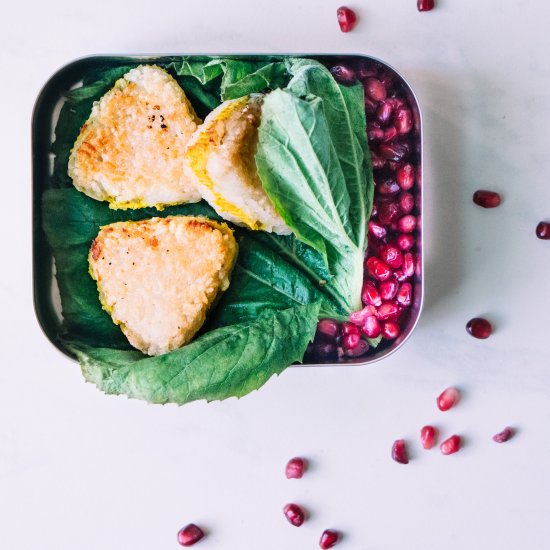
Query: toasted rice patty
x=158, y=277
x=221, y=154
x=130, y=150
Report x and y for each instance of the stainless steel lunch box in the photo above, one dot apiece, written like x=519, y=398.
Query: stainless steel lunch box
x=46, y=112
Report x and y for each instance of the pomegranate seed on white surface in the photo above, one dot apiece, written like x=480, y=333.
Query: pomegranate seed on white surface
x=425, y=5
x=189, y=535
x=479, y=328
x=504, y=435
x=329, y=538
x=295, y=468
x=294, y=514
x=347, y=18
x=543, y=230
x=487, y=199
x=428, y=435
x=447, y=399
x=399, y=451
x=451, y=445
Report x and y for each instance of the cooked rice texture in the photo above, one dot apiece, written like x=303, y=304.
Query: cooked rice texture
x=158, y=277
x=129, y=151
x=221, y=154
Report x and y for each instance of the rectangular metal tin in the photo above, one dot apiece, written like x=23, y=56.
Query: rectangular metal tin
x=46, y=110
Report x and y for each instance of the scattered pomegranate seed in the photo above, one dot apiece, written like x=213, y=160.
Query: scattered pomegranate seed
x=388, y=310
x=328, y=327
x=189, y=535
x=448, y=399
x=295, y=468
x=343, y=74
x=451, y=445
x=376, y=230
x=407, y=224
x=390, y=330
x=425, y=5
x=408, y=264
x=404, y=295
x=403, y=121
x=294, y=514
x=388, y=187
x=399, y=452
x=392, y=256
x=388, y=289
x=394, y=151
x=406, y=202
x=346, y=18
x=378, y=269
x=388, y=213
x=370, y=295
x=504, y=435
x=371, y=328
x=375, y=89
x=405, y=242
x=428, y=435
x=329, y=538
x=479, y=328
x=405, y=176
x=543, y=230
x=487, y=199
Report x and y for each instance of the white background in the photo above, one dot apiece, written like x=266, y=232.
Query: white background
x=79, y=470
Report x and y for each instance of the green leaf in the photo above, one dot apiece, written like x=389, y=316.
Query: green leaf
x=226, y=362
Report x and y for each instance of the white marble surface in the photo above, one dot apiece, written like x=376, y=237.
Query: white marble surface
x=81, y=470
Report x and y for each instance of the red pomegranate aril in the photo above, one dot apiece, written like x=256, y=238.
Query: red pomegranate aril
x=404, y=295
x=428, y=436
x=375, y=90
x=376, y=230
x=384, y=112
x=295, y=468
x=406, y=202
x=504, y=435
x=390, y=330
x=370, y=106
x=358, y=350
x=378, y=269
x=487, y=199
x=405, y=176
x=349, y=328
x=346, y=18
x=350, y=341
x=189, y=535
x=370, y=295
x=399, y=451
x=390, y=134
x=543, y=230
x=371, y=328
x=408, y=264
x=374, y=132
x=329, y=538
x=405, y=242
x=328, y=327
x=388, y=187
x=294, y=514
x=403, y=121
x=425, y=5
x=374, y=211
x=396, y=102
x=377, y=161
x=358, y=317
x=365, y=69
x=479, y=328
x=451, y=445
x=407, y=224
x=392, y=256
x=400, y=276
x=387, y=78
x=388, y=289
x=447, y=399
x=393, y=151
x=343, y=74
x=388, y=212
x=388, y=310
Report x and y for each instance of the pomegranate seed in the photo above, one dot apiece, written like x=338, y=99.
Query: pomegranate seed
x=374, y=132
x=392, y=256
x=543, y=230
x=329, y=538
x=350, y=342
x=388, y=212
x=359, y=317
x=388, y=187
x=451, y=445
x=343, y=74
x=323, y=351
x=376, y=230
x=370, y=106
x=295, y=468
x=346, y=18
x=375, y=89
x=365, y=70
x=448, y=399
x=404, y=295
x=349, y=328
x=504, y=435
x=400, y=276
x=388, y=289
x=377, y=161
x=374, y=211
x=328, y=328
x=384, y=112
x=479, y=328
x=487, y=199
x=357, y=350
x=403, y=121
x=397, y=102
x=379, y=270
x=388, y=310
x=425, y=5
x=394, y=151
x=406, y=202
x=405, y=242
x=369, y=294
x=189, y=535
x=405, y=176
x=390, y=330
x=407, y=224
x=389, y=134
x=294, y=514
x=399, y=452
x=387, y=78
x=371, y=328
x=408, y=264
x=428, y=435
